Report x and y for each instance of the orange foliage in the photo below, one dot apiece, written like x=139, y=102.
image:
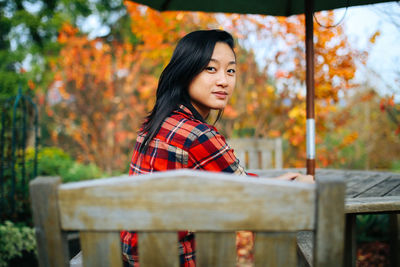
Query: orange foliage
x=102, y=90
x=96, y=84
x=31, y=84
x=273, y=99
x=388, y=104
x=98, y=81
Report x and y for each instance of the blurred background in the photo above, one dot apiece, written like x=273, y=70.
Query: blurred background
x=81, y=75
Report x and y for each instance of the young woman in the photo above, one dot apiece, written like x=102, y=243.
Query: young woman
x=200, y=77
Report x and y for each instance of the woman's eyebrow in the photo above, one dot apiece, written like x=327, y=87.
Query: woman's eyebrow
x=229, y=63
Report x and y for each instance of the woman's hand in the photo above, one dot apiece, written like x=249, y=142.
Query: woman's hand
x=294, y=176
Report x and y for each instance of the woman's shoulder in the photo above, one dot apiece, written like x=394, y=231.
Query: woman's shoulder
x=182, y=129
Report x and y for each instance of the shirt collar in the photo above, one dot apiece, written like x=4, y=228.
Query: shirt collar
x=186, y=112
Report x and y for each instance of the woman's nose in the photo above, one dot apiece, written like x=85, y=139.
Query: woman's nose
x=222, y=80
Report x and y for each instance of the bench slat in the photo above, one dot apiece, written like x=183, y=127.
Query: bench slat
x=101, y=249
x=275, y=249
x=233, y=203
x=259, y=151
x=158, y=249
x=241, y=155
x=305, y=245
x=266, y=160
x=253, y=159
x=215, y=249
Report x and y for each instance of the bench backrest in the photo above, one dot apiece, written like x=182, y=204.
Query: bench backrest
x=258, y=153
x=214, y=205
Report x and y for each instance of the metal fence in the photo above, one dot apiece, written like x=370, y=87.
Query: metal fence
x=19, y=140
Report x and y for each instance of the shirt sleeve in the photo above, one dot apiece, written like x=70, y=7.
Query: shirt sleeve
x=211, y=152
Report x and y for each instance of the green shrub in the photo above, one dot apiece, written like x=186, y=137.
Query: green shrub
x=79, y=172
x=372, y=227
x=54, y=161
x=51, y=161
x=14, y=240
x=395, y=166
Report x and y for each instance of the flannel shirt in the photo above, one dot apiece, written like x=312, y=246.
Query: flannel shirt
x=181, y=142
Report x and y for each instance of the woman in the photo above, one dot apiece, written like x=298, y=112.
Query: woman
x=200, y=77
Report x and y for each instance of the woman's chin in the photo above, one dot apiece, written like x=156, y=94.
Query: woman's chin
x=219, y=107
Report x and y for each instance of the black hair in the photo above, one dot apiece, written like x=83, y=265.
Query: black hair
x=191, y=56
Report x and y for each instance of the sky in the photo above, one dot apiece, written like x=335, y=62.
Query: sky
x=384, y=57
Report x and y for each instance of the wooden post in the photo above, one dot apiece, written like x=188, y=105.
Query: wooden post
x=394, y=221
x=350, y=241
x=52, y=243
x=329, y=235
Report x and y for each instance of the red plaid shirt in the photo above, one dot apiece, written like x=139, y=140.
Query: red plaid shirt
x=182, y=142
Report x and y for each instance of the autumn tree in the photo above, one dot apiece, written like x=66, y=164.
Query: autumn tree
x=271, y=100
x=103, y=89
x=107, y=86
x=377, y=144
x=28, y=37
x=388, y=103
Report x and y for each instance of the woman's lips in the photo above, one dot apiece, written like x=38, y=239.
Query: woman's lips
x=220, y=94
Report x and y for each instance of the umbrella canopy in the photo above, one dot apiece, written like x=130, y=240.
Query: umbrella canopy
x=266, y=7
x=275, y=8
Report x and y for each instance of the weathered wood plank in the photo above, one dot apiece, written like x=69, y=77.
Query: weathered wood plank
x=372, y=204
x=266, y=160
x=278, y=154
x=275, y=249
x=394, y=192
x=252, y=143
x=241, y=155
x=382, y=188
x=305, y=247
x=158, y=249
x=253, y=159
x=215, y=249
x=359, y=184
x=259, y=151
x=269, y=173
x=101, y=249
x=224, y=204
x=329, y=238
x=52, y=242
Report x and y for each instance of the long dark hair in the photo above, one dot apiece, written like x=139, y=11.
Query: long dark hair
x=191, y=56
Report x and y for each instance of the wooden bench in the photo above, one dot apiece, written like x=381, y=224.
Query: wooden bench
x=258, y=153
x=214, y=205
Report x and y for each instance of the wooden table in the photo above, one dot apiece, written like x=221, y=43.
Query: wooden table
x=366, y=192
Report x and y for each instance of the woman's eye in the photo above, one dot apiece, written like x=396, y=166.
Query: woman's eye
x=231, y=71
x=211, y=69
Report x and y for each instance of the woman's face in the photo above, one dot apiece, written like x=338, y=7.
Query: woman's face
x=212, y=88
